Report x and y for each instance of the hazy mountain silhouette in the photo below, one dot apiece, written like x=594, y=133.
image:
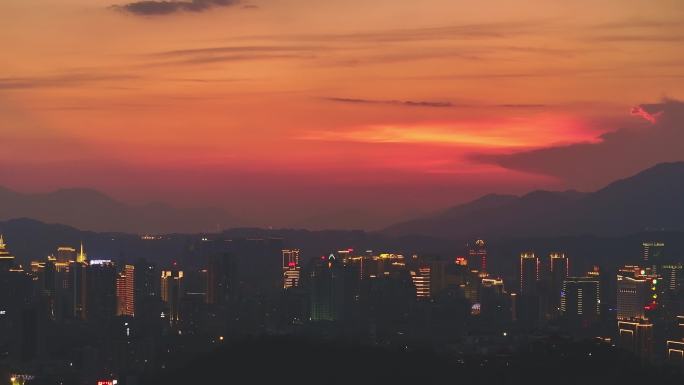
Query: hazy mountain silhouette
x=91, y=210
x=650, y=200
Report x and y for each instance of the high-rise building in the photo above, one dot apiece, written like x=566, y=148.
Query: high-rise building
x=66, y=254
x=221, y=278
x=78, y=289
x=581, y=300
x=672, y=275
x=125, y=291
x=6, y=258
x=636, y=337
x=291, y=268
x=146, y=280
x=101, y=290
x=477, y=254
x=559, y=270
x=529, y=273
x=327, y=289
x=653, y=252
x=633, y=294
x=172, y=293
x=421, y=280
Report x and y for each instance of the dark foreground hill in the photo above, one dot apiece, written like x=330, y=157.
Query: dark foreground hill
x=294, y=361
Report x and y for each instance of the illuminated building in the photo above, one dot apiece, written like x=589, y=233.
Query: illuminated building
x=633, y=294
x=653, y=252
x=478, y=253
x=675, y=353
x=66, y=254
x=291, y=268
x=172, y=293
x=102, y=287
x=529, y=273
x=672, y=275
x=559, y=269
x=421, y=280
x=78, y=285
x=326, y=289
x=581, y=299
x=6, y=258
x=636, y=337
x=125, y=291
x=82, y=257
x=493, y=300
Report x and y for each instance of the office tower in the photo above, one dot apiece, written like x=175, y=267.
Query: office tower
x=653, y=252
x=581, y=300
x=102, y=287
x=125, y=291
x=326, y=289
x=421, y=280
x=529, y=273
x=145, y=280
x=66, y=254
x=636, y=337
x=559, y=270
x=78, y=290
x=6, y=258
x=221, y=278
x=291, y=268
x=633, y=294
x=494, y=301
x=477, y=254
x=172, y=293
x=675, y=353
x=672, y=275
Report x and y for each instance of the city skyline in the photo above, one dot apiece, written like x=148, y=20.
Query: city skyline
x=336, y=107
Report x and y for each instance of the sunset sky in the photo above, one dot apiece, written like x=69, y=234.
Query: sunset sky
x=336, y=113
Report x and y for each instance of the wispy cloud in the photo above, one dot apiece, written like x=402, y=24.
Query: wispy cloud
x=156, y=8
x=428, y=103
x=60, y=80
x=659, y=141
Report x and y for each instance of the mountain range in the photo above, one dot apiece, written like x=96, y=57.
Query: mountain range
x=651, y=200
x=88, y=209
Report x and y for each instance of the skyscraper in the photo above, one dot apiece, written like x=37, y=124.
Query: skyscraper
x=172, y=293
x=421, y=280
x=66, y=254
x=632, y=295
x=6, y=258
x=636, y=337
x=291, y=268
x=559, y=270
x=221, y=278
x=477, y=254
x=529, y=273
x=125, y=291
x=101, y=290
x=581, y=300
x=653, y=252
x=326, y=289
x=78, y=289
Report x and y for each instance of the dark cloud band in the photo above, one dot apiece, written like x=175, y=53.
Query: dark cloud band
x=154, y=8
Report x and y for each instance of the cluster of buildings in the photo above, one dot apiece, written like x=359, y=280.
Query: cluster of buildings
x=101, y=320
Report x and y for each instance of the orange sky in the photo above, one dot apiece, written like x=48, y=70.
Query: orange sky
x=282, y=110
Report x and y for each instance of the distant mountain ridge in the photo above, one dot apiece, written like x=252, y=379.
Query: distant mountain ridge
x=652, y=199
x=92, y=210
